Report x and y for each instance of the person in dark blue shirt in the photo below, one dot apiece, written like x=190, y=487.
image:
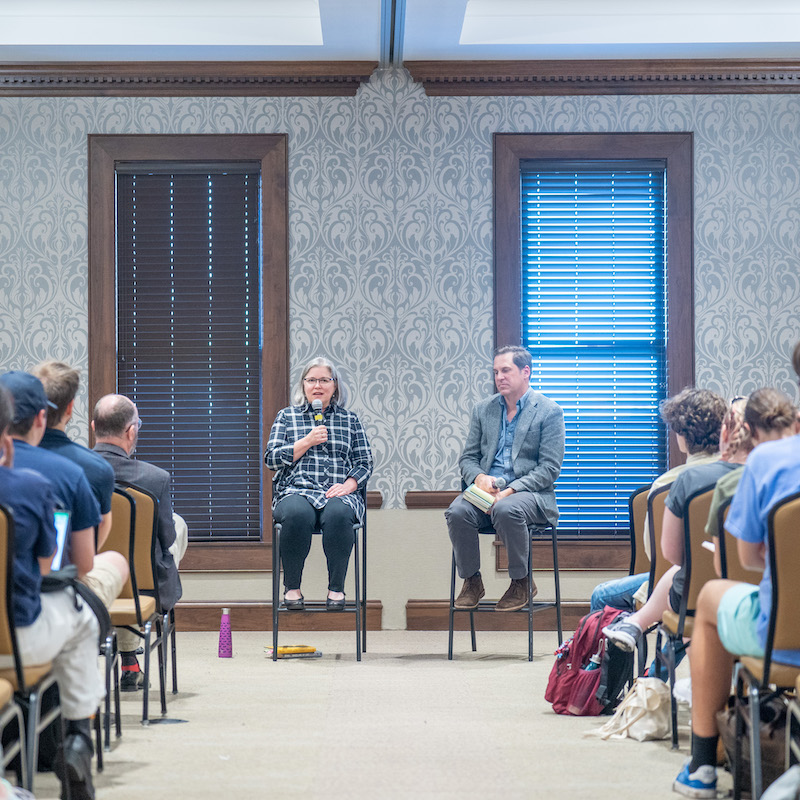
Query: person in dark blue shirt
x=60, y=381
x=49, y=627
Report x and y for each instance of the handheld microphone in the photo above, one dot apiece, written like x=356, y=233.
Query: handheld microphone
x=499, y=484
x=317, y=406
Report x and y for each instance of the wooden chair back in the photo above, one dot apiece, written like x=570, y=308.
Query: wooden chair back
x=8, y=641
x=729, y=551
x=144, y=557
x=120, y=537
x=699, y=561
x=655, y=520
x=637, y=514
x=783, y=532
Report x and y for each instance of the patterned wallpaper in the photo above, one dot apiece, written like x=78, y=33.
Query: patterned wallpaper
x=391, y=238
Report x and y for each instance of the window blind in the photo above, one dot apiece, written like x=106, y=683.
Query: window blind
x=188, y=351
x=594, y=311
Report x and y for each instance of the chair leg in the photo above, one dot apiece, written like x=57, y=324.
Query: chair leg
x=173, y=640
x=452, y=608
x=530, y=601
x=557, y=581
x=357, y=579
x=161, y=644
x=98, y=736
x=276, y=579
x=363, y=589
x=146, y=684
x=472, y=631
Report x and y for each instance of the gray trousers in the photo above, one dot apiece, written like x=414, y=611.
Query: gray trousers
x=510, y=517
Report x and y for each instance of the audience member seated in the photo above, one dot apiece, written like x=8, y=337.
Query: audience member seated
x=110, y=570
x=695, y=417
x=732, y=617
x=72, y=491
x=50, y=627
x=320, y=457
x=516, y=435
x=116, y=424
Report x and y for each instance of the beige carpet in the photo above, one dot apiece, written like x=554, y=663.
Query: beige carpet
x=403, y=723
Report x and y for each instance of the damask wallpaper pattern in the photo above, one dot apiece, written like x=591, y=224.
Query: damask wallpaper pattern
x=391, y=238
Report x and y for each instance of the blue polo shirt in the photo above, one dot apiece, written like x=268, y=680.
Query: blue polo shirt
x=71, y=489
x=502, y=466
x=29, y=497
x=97, y=470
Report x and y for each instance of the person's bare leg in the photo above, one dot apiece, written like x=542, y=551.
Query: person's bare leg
x=658, y=602
x=711, y=663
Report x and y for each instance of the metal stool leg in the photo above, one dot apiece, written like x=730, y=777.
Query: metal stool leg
x=276, y=579
x=557, y=581
x=452, y=608
x=358, y=594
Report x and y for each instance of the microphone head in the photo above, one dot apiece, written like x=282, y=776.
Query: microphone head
x=500, y=483
x=316, y=404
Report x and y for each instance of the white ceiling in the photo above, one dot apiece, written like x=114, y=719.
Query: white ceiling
x=338, y=30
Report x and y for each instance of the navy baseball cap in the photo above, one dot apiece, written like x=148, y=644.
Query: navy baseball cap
x=28, y=393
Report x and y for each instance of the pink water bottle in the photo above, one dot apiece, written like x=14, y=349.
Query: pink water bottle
x=225, y=643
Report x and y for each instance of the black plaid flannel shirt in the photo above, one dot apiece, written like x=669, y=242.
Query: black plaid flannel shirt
x=345, y=455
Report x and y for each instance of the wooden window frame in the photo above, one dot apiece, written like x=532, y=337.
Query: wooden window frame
x=270, y=150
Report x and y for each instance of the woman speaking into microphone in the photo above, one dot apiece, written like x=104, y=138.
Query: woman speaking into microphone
x=321, y=456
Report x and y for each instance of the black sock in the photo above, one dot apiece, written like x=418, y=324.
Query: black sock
x=128, y=658
x=704, y=751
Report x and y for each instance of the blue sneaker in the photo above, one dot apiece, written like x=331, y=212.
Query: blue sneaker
x=700, y=783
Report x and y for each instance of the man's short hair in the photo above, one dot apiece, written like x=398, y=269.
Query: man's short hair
x=61, y=384
x=6, y=409
x=519, y=355
x=696, y=414
x=112, y=416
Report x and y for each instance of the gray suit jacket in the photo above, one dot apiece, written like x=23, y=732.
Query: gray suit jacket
x=536, y=453
x=156, y=481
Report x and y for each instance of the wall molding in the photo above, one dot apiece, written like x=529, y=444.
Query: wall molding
x=682, y=76
x=186, y=78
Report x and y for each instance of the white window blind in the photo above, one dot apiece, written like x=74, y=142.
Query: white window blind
x=594, y=319
x=188, y=285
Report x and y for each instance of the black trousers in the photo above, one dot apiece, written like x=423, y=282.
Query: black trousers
x=298, y=519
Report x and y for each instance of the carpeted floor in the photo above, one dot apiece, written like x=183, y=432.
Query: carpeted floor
x=403, y=723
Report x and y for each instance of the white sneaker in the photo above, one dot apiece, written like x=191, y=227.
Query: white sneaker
x=683, y=691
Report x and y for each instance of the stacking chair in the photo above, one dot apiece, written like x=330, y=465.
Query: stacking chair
x=29, y=682
x=133, y=609
x=754, y=676
x=699, y=568
x=358, y=606
x=530, y=608
x=11, y=712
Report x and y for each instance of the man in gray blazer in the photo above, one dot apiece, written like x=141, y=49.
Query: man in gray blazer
x=516, y=435
x=116, y=424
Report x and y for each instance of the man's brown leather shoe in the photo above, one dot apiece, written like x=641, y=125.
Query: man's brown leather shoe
x=471, y=593
x=516, y=596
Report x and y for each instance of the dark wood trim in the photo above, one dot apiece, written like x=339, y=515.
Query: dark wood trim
x=419, y=500
x=258, y=617
x=374, y=500
x=186, y=78
x=681, y=76
x=676, y=150
x=227, y=557
x=432, y=615
x=572, y=555
x=271, y=151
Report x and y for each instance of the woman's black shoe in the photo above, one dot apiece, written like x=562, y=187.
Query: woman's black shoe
x=294, y=605
x=334, y=605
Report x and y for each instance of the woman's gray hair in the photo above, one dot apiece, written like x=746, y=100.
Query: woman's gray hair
x=339, y=392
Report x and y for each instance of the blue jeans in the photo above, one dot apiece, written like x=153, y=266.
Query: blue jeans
x=618, y=593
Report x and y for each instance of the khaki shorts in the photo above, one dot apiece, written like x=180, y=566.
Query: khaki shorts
x=104, y=581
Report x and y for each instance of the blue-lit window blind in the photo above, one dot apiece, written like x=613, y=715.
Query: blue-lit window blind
x=593, y=317
x=188, y=285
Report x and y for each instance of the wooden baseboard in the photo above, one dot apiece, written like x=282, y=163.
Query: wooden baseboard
x=258, y=617
x=433, y=615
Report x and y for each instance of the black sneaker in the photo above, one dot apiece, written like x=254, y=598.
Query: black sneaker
x=73, y=763
x=131, y=681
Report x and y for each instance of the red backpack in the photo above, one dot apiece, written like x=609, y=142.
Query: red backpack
x=584, y=686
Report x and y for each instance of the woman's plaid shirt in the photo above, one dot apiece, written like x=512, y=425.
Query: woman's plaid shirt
x=345, y=455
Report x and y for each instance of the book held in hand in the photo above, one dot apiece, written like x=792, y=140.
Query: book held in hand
x=480, y=499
